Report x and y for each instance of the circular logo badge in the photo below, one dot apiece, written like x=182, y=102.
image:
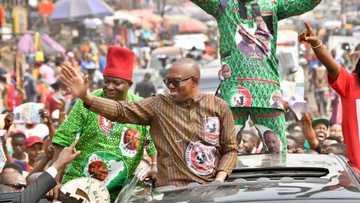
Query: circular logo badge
x=242, y=98
x=107, y=168
x=200, y=159
x=104, y=124
x=225, y=72
x=130, y=142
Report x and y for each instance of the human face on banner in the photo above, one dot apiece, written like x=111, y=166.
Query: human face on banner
x=98, y=170
x=272, y=142
x=248, y=143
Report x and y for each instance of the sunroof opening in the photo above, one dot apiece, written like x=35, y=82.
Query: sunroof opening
x=278, y=173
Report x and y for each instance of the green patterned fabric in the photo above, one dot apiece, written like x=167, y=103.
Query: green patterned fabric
x=248, y=35
x=248, y=47
x=110, y=151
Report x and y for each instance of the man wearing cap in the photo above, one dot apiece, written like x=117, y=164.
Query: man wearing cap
x=34, y=146
x=316, y=131
x=111, y=151
x=193, y=132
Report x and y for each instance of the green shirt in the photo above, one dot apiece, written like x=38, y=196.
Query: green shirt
x=248, y=35
x=110, y=151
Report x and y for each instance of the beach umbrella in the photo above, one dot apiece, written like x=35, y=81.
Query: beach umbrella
x=27, y=44
x=75, y=10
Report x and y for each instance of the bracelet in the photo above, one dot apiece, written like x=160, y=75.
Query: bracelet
x=317, y=46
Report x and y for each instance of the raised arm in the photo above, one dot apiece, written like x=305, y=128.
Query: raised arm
x=288, y=8
x=140, y=112
x=209, y=6
x=322, y=53
x=309, y=132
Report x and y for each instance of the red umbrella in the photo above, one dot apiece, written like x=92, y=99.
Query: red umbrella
x=147, y=16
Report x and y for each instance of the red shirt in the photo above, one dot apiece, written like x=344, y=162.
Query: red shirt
x=52, y=103
x=347, y=86
x=14, y=97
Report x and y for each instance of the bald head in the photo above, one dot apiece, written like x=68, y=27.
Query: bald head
x=183, y=80
x=186, y=67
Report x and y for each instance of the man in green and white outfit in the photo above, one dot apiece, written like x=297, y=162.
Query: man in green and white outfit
x=110, y=151
x=249, y=73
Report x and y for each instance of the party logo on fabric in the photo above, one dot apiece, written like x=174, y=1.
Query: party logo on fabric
x=225, y=72
x=98, y=170
x=130, y=142
x=212, y=130
x=104, y=124
x=107, y=168
x=200, y=159
x=242, y=98
x=276, y=100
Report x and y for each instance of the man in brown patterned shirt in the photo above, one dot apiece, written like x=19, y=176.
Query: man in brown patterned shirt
x=193, y=132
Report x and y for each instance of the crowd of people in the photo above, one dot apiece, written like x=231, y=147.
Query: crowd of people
x=180, y=136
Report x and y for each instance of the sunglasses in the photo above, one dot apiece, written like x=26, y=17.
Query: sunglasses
x=175, y=82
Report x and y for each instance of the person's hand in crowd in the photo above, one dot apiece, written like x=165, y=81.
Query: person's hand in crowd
x=67, y=155
x=309, y=36
x=307, y=119
x=74, y=80
x=309, y=132
x=53, y=194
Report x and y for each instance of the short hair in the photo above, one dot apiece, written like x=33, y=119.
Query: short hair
x=252, y=132
x=338, y=148
x=13, y=166
x=268, y=132
x=337, y=139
